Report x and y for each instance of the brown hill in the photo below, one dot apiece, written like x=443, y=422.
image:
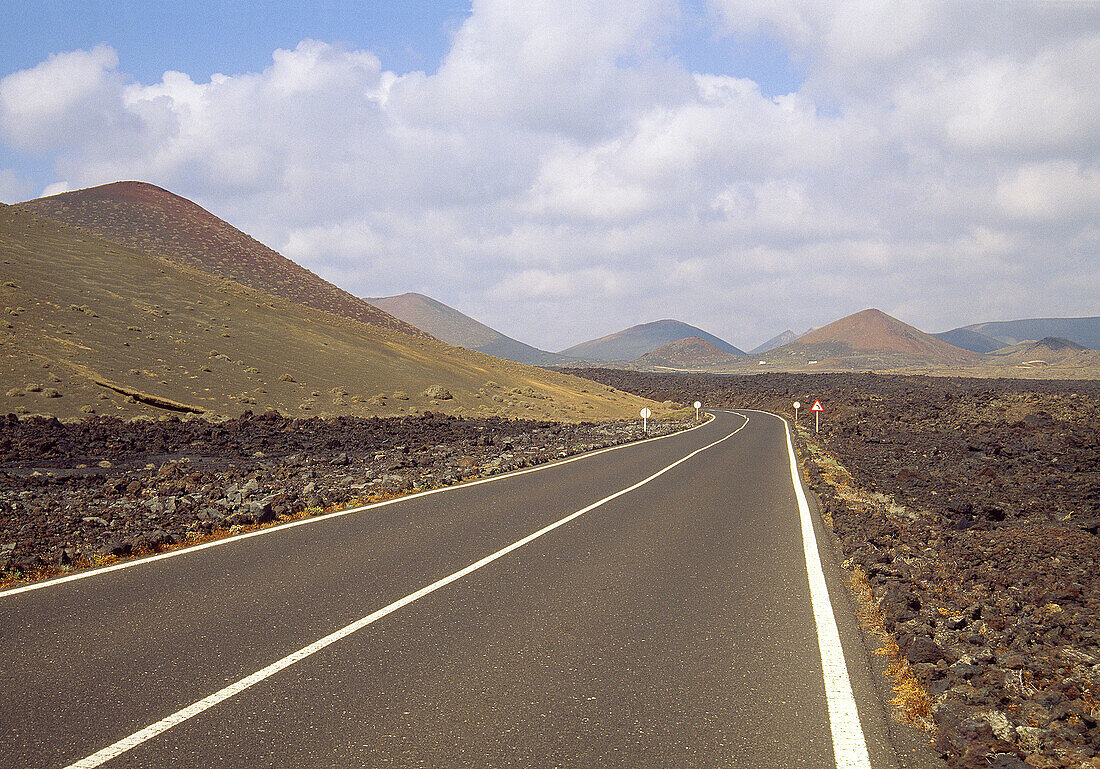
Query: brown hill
x=90, y=326
x=872, y=335
x=693, y=352
x=145, y=217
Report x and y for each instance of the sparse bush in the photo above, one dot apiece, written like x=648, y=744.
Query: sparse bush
x=437, y=392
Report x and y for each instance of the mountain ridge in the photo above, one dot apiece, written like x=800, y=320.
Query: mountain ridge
x=1084, y=330
x=455, y=327
x=776, y=341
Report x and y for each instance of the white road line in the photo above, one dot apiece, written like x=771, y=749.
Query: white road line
x=321, y=518
x=849, y=746
x=135, y=739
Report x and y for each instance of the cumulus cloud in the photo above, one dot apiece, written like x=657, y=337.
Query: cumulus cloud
x=563, y=164
x=13, y=187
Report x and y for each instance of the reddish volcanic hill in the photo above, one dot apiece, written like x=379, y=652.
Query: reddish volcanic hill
x=873, y=332
x=144, y=216
x=686, y=353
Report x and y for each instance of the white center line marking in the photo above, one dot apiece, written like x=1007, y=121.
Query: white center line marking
x=135, y=739
x=849, y=746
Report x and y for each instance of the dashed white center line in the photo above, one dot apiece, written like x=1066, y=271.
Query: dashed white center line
x=137, y=738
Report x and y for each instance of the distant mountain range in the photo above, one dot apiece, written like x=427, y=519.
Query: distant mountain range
x=135, y=217
x=776, y=341
x=630, y=344
x=866, y=340
x=986, y=337
x=1044, y=353
x=453, y=327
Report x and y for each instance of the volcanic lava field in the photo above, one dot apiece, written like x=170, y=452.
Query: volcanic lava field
x=968, y=513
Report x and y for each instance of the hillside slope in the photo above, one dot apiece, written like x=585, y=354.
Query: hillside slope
x=873, y=335
x=684, y=354
x=631, y=343
x=970, y=340
x=1083, y=331
x=145, y=217
x=776, y=341
x=1045, y=353
x=453, y=327
x=93, y=327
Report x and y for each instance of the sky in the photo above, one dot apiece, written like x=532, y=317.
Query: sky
x=563, y=170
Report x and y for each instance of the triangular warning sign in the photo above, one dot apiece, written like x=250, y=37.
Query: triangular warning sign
x=816, y=406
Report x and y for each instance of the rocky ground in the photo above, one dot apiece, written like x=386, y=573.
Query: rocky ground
x=73, y=494
x=971, y=508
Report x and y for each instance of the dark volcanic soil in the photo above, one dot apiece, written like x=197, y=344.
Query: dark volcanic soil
x=77, y=493
x=973, y=508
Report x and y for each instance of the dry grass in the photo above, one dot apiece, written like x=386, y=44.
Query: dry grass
x=911, y=703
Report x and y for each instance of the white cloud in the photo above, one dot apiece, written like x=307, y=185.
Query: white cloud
x=69, y=97
x=1051, y=193
x=13, y=187
x=561, y=165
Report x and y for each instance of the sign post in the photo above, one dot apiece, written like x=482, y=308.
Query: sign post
x=817, y=409
x=645, y=414
x=698, y=405
x=797, y=406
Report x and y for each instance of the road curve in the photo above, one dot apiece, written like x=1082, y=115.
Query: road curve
x=640, y=607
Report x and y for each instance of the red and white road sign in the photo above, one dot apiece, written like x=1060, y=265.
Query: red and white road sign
x=817, y=406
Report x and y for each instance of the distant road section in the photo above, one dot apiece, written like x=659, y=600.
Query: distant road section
x=646, y=606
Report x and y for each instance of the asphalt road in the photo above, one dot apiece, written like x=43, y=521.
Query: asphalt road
x=670, y=626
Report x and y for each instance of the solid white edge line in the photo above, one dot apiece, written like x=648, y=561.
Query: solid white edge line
x=849, y=745
x=327, y=517
x=127, y=743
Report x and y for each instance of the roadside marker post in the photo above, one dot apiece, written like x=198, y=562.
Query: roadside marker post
x=645, y=414
x=698, y=406
x=797, y=406
x=817, y=409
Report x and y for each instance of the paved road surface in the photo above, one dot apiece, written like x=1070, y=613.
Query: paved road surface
x=670, y=626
